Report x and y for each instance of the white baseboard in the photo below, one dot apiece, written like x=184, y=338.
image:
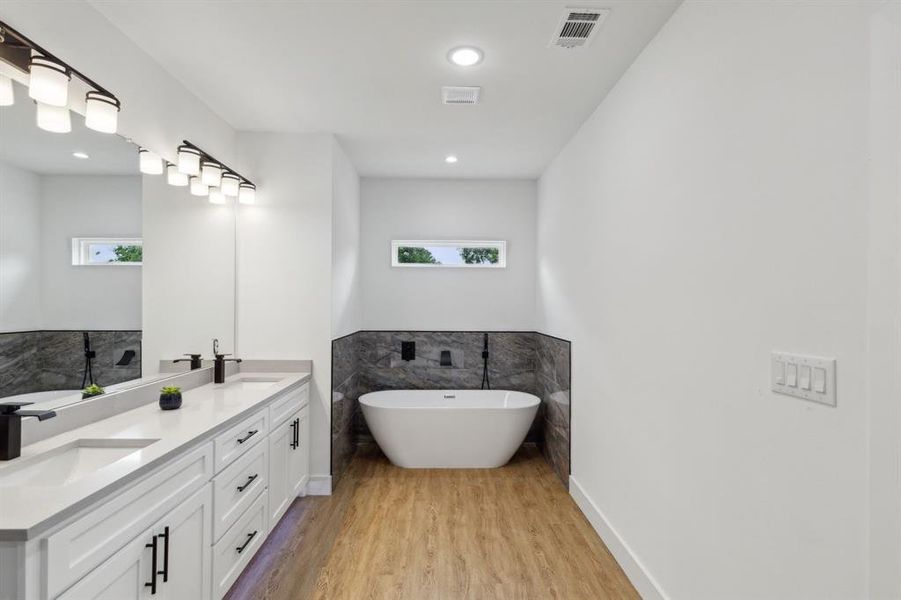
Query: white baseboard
x=319, y=485
x=644, y=583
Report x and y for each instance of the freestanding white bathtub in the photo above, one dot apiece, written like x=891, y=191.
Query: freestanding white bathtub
x=449, y=429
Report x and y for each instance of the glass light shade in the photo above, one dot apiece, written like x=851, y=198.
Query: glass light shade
x=174, y=176
x=150, y=162
x=197, y=187
x=101, y=112
x=210, y=173
x=7, y=98
x=230, y=184
x=188, y=160
x=248, y=193
x=48, y=81
x=54, y=118
x=216, y=196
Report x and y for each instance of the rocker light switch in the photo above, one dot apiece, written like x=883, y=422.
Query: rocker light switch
x=807, y=377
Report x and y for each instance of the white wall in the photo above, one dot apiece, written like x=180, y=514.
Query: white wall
x=347, y=310
x=448, y=299
x=88, y=297
x=20, y=249
x=714, y=208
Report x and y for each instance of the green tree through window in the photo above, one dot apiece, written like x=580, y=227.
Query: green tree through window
x=479, y=256
x=413, y=255
x=128, y=254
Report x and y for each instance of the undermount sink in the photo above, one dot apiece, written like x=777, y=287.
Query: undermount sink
x=70, y=462
x=253, y=382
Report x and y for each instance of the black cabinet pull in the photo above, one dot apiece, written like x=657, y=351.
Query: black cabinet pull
x=249, y=435
x=250, y=536
x=152, y=583
x=250, y=479
x=294, y=434
x=165, y=571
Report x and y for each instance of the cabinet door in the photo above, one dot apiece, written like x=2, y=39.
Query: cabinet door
x=299, y=457
x=185, y=556
x=281, y=441
x=123, y=576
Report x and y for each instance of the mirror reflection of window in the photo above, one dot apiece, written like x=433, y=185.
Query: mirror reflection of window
x=440, y=253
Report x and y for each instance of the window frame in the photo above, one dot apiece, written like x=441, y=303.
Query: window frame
x=81, y=250
x=501, y=246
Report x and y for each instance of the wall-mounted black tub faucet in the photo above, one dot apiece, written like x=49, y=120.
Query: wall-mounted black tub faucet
x=219, y=363
x=11, y=427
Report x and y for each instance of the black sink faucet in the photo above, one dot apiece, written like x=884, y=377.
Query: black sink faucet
x=196, y=361
x=11, y=427
x=219, y=363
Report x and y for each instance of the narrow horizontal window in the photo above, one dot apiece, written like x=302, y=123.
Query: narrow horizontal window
x=107, y=251
x=442, y=253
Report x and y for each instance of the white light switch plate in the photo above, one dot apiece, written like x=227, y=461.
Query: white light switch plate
x=808, y=377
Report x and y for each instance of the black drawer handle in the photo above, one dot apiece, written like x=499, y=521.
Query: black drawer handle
x=249, y=435
x=250, y=536
x=250, y=479
x=165, y=571
x=153, y=567
x=294, y=428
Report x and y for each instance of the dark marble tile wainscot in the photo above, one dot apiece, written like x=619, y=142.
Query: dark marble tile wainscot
x=39, y=361
x=369, y=361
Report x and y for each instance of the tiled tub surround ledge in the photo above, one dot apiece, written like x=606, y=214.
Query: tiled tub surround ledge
x=46, y=360
x=531, y=362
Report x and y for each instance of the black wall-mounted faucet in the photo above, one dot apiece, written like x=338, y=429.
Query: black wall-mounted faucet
x=219, y=363
x=11, y=427
x=408, y=351
x=196, y=361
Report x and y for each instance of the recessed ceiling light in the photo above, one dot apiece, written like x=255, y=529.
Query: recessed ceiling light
x=80, y=155
x=465, y=56
x=450, y=159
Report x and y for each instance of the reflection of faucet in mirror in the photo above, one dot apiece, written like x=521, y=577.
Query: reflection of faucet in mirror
x=219, y=363
x=196, y=361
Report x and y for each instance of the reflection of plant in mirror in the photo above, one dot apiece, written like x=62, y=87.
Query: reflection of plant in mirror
x=410, y=254
x=170, y=390
x=92, y=390
x=128, y=254
x=479, y=256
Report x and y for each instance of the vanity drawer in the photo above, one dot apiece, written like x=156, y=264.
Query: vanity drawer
x=237, y=486
x=82, y=545
x=232, y=553
x=241, y=438
x=288, y=404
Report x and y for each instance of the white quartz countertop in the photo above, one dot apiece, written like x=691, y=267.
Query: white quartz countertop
x=30, y=509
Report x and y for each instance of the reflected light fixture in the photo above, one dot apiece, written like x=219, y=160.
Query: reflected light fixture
x=247, y=193
x=450, y=159
x=216, y=195
x=7, y=97
x=101, y=112
x=174, y=176
x=81, y=155
x=188, y=160
x=149, y=162
x=230, y=183
x=55, y=119
x=197, y=187
x=48, y=81
x=465, y=56
x=210, y=173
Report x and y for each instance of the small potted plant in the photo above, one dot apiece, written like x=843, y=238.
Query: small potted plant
x=170, y=397
x=91, y=390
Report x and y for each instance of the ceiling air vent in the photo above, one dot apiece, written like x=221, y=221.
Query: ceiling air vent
x=578, y=27
x=460, y=94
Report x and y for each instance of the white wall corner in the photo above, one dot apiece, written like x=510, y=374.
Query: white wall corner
x=319, y=485
x=643, y=581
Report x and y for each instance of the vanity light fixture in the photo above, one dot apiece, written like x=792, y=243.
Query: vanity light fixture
x=174, y=176
x=197, y=187
x=150, y=162
x=230, y=183
x=450, y=159
x=48, y=85
x=7, y=98
x=55, y=119
x=210, y=173
x=189, y=160
x=81, y=155
x=216, y=195
x=101, y=112
x=247, y=193
x=465, y=56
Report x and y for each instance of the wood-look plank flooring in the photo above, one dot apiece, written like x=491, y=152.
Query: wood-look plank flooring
x=415, y=534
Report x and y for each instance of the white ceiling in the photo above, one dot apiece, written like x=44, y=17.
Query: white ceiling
x=371, y=72
x=23, y=145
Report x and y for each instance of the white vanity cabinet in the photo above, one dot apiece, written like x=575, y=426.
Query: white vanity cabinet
x=289, y=459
